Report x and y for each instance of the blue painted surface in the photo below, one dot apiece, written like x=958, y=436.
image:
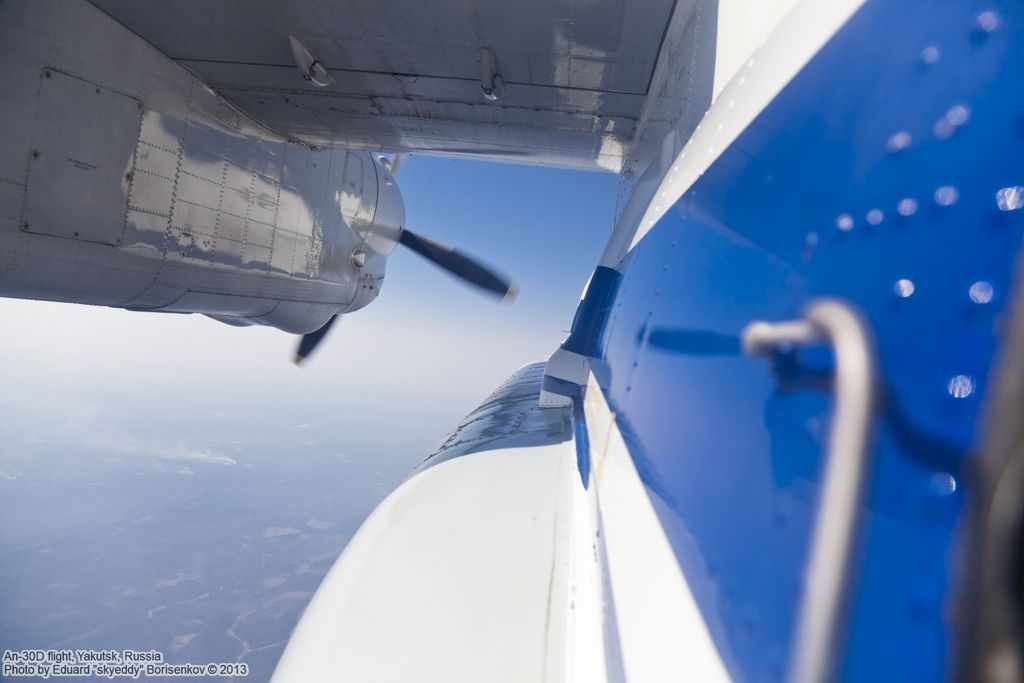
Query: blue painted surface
x=731, y=457
x=582, y=438
x=592, y=313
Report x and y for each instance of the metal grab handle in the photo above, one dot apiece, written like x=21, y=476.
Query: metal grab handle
x=817, y=647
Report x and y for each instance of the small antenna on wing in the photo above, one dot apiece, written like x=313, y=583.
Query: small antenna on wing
x=490, y=80
x=310, y=68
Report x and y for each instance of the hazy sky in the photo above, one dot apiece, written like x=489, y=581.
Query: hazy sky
x=421, y=355
x=171, y=482
x=392, y=378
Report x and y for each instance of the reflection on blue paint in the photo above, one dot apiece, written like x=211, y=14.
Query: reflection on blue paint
x=592, y=312
x=883, y=174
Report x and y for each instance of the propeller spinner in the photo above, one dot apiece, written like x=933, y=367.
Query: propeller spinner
x=462, y=266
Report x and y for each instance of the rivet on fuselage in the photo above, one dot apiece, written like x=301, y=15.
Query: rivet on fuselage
x=961, y=386
x=1010, y=198
x=903, y=288
x=930, y=54
x=898, y=142
x=946, y=195
x=906, y=207
x=988, y=21
x=981, y=292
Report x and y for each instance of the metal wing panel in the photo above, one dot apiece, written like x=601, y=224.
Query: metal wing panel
x=79, y=146
x=408, y=76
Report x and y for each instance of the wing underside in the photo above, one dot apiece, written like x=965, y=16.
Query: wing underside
x=407, y=73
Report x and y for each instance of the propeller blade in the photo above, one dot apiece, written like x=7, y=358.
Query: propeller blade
x=459, y=265
x=396, y=163
x=310, y=341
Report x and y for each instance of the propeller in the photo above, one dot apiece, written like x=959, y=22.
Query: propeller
x=396, y=163
x=447, y=258
x=460, y=265
x=441, y=255
x=308, y=342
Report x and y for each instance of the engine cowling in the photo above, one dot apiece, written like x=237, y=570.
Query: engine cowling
x=371, y=202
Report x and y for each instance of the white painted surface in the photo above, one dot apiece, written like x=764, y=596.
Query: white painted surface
x=489, y=567
x=566, y=366
x=662, y=634
x=799, y=35
x=465, y=573
x=743, y=27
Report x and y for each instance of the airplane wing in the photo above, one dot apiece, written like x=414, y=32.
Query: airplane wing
x=484, y=564
x=582, y=81
x=782, y=441
x=407, y=74
x=790, y=398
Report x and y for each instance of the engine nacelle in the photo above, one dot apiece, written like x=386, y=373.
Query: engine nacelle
x=371, y=202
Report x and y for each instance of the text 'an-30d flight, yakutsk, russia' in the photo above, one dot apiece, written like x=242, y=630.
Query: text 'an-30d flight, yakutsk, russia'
x=782, y=441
